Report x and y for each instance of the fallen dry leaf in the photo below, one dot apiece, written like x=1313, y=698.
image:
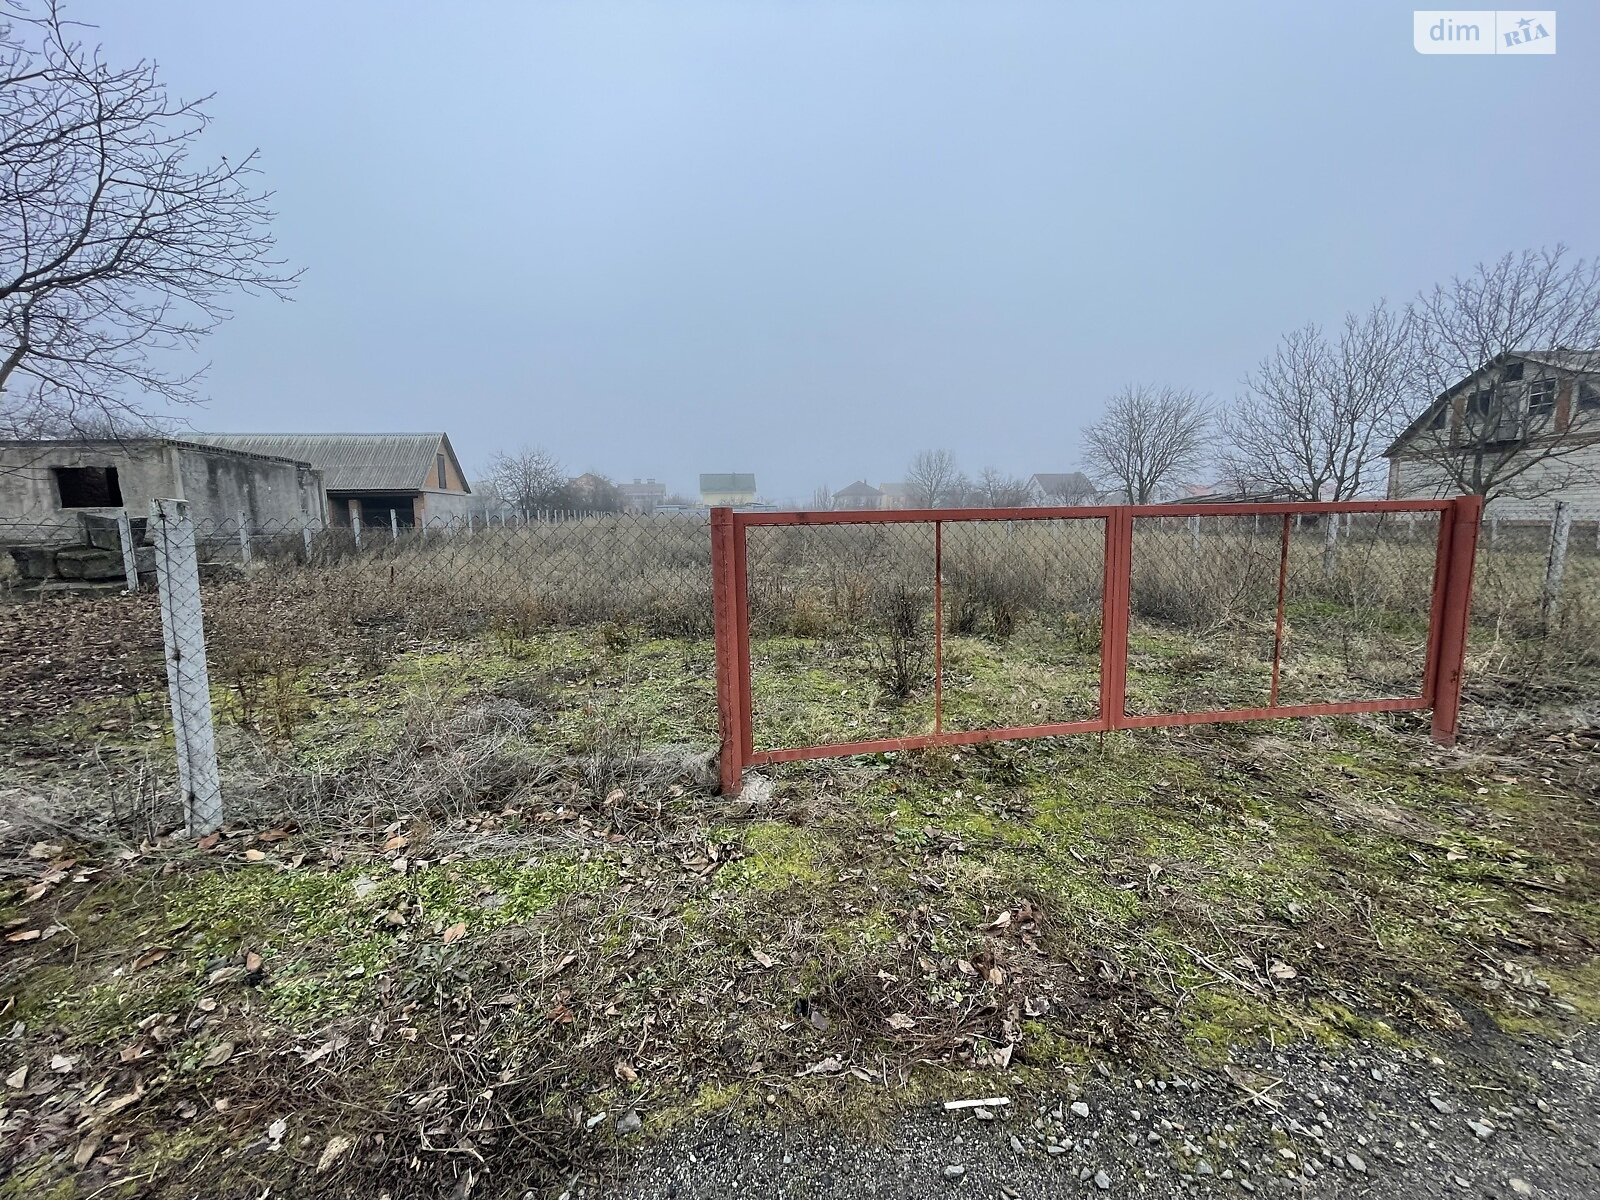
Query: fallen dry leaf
x=254, y=855
x=150, y=957
x=24, y=935
x=252, y=962
x=455, y=933
x=219, y=1054
x=765, y=960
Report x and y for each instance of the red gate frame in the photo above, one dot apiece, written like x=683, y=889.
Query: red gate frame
x=1449, y=613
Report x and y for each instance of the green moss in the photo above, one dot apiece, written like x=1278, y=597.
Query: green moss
x=775, y=856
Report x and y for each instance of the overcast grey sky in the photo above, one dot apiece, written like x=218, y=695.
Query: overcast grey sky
x=807, y=239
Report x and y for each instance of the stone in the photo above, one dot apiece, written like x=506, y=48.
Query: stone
x=1355, y=1162
x=1521, y=1187
x=88, y=563
x=1102, y=1181
x=1482, y=1128
x=630, y=1122
x=1080, y=1109
x=34, y=562
x=954, y=1171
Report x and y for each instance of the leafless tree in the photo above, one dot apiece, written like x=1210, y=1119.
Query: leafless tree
x=996, y=489
x=527, y=479
x=933, y=480
x=116, y=245
x=1318, y=412
x=1148, y=437
x=1540, y=300
x=821, y=498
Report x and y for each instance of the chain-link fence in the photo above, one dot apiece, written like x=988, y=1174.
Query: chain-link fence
x=304, y=619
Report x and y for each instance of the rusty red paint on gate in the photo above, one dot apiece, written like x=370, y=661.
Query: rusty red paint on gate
x=1442, y=671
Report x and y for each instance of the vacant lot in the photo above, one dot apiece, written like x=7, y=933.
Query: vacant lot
x=474, y=899
x=478, y=917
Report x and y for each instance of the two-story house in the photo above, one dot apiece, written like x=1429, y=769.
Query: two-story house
x=1523, y=429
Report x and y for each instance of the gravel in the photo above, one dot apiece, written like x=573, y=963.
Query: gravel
x=1366, y=1121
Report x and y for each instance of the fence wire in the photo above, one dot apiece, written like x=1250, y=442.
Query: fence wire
x=841, y=616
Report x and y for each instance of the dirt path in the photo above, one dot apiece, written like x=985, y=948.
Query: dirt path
x=1504, y=1120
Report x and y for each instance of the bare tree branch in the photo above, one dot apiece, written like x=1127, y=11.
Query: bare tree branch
x=1148, y=438
x=1494, y=437
x=115, y=247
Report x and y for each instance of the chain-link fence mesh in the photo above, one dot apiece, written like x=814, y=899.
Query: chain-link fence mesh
x=305, y=619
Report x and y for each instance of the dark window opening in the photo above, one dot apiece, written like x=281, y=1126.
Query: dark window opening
x=1588, y=396
x=88, y=487
x=1512, y=372
x=440, y=465
x=375, y=512
x=1440, y=418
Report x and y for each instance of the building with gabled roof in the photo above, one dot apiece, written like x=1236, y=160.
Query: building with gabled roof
x=416, y=477
x=858, y=496
x=733, y=488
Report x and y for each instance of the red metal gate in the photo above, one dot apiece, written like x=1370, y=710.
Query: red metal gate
x=1458, y=522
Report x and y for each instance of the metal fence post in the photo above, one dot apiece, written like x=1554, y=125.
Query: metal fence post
x=1464, y=516
x=725, y=625
x=244, y=538
x=1116, y=591
x=130, y=561
x=188, y=684
x=1555, y=563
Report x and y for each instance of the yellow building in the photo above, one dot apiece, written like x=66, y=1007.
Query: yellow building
x=728, y=489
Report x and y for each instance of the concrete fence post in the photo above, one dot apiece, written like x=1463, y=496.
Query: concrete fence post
x=244, y=538
x=130, y=561
x=394, y=526
x=355, y=525
x=188, y=684
x=1555, y=563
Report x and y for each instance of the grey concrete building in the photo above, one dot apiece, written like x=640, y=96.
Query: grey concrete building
x=48, y=485
x=416, y=476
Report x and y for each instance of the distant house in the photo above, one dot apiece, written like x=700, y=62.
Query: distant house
x=642, y=495
x=858, y=496
x=895, y=495
x=46, y=485
x=1064, y=488
x=1530, y=418
x=415, y=476
x=732, y=489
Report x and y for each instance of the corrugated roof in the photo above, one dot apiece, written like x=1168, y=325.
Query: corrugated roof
x=729, y=482
x=349, y=462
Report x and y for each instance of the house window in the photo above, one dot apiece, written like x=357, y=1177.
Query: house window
x=1541, y=401
x=1512, y=372
x=88, y=487
x=1441, y=417
x=1588, y=397
x=439, y=466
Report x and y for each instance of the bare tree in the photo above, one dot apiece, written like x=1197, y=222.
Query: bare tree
x=1318, y=412
x=821, y=498
x=117, y=246
x=1493, y=442
x=933, y=480
x=1149, y=436
x=527, y=479
x=996, y=489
